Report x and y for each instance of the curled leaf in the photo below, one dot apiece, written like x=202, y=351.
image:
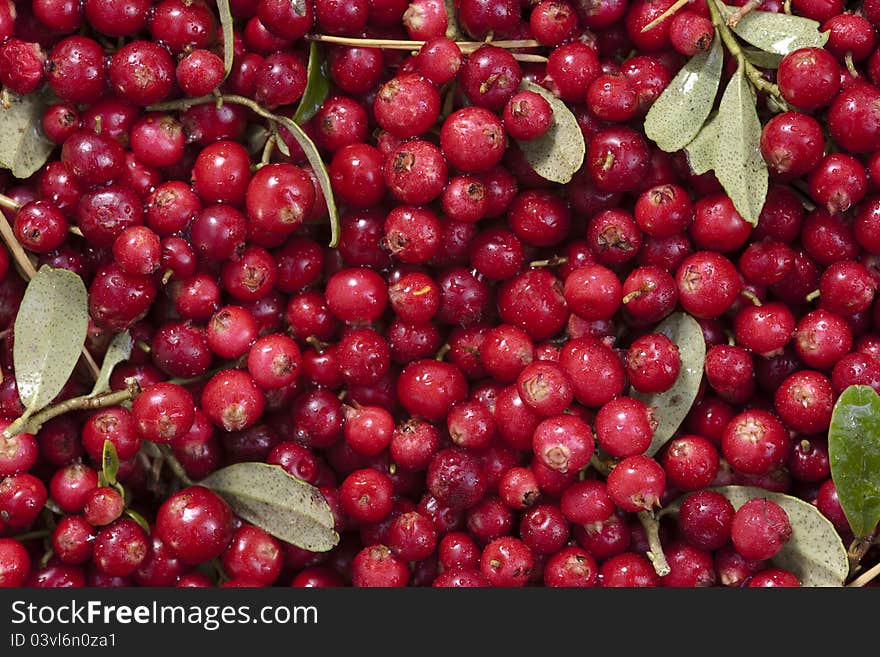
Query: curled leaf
x=815, y=553
x=776, y=33
x=23, y=148
x=671, y=407
x=854, y=453
x=680, y=111
x=227, y=27
x=313, y=155
x=118, y=351
x=284, y=506
x=559, y=153
x=317, y=87
x=49, y=330
x=109, y=464
x=739, y=165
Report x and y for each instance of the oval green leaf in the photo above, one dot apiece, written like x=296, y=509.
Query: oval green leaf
x=227, y=27
x=739, y=165
x=559, y=153
x=317, y=87
x=23, y=148
x=118, y=350
x=775, y=33
x=680, y=111
x=815, y=553
x=50, y=330
x=671, y=407
x=702, y=151
x=854, y=452
x=286, y=507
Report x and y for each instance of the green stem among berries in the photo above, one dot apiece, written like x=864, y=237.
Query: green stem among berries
x=752, y=72
x=32, y=424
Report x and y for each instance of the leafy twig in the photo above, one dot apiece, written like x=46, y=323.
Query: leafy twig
x=866, y=577
x=33, y=423
x=752, y=72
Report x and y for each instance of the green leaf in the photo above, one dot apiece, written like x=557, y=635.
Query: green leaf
x=761, y=58
x=118, y=351
x=854, y=452
x=109, y=463
x=677, y=115
x=559, y=153
x=50, y=330
x=286, y=507
x=776, y=33
x=815, y=552
x=23, y=148
x=671, y=407
x=317, y=87
x=703, y=150
x=227, y=27
x=739, y=165
x=317, y=164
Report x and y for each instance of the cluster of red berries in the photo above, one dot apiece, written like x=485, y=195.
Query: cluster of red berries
x=454, y=375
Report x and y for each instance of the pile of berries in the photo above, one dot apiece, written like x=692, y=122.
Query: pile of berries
x=457, y=374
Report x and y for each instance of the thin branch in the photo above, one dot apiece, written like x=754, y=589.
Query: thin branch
x=402, y=44
x=866, y=577
x=32, y=424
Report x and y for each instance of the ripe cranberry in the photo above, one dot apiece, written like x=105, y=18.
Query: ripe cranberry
x=489, y=77
x=689, y=566
x=378, y=566
x=755, y=442
x=507, y=561
x=624, y=427
x=628, y=570
x=708, y=284
x=821, y=338
x=221, y=173
x=22, y=498
x=705, y=518
x=618, y=159
x=760, y=528
x=472, y=139
x=853, y=120
x=636, y=483
x=455, y=478
x=141, y=72
x=691, y=462
x=563, y=443
x=804, y=401
x=596, y=372
x=232, y=400
x=196, y=524
x=809, y=78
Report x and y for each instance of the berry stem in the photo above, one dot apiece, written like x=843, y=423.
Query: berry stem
x=655, y=549
x=178, y=470
x=866, y=577
x=746, y=9
x=666, y=14
x=403, y=44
